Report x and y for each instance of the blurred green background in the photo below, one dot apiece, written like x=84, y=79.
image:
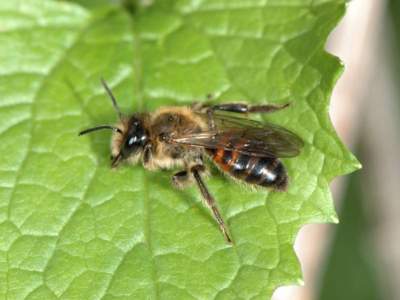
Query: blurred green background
x=358, y=264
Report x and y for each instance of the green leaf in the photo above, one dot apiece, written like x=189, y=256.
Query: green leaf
x=72, y=228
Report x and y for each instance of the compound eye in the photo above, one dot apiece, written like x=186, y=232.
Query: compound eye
x=132, y=141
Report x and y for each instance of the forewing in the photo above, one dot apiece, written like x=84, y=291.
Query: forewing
x=246, y=136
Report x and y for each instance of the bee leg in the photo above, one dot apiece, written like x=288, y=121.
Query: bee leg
x=197, y=106
x=210, y=201
x=239, y=108
x=200, y=105
x=244, y=108
x=211, y=123
x=147, y=154
x=180, y=179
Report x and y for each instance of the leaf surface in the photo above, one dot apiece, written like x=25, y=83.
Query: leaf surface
x=72, y=228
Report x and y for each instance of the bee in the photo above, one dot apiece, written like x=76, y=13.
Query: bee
x=182, y=137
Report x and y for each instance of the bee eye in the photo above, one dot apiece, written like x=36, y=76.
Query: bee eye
x=135, y=140
x=132, y=140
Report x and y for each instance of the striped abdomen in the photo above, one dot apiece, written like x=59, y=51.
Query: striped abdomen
x=263, y=171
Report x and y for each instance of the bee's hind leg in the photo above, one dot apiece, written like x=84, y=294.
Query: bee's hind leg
x=236, y=108
x=245, y=108
x=183, y=178
x=210, y=201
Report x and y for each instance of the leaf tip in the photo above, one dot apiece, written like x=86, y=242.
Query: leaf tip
x=300, y=281
x=357, y=165
x=334, y=219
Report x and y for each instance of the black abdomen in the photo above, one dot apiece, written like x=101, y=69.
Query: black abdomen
x=263, y=171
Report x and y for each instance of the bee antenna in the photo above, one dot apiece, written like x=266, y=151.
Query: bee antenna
x=113, y=100
x=115, y=129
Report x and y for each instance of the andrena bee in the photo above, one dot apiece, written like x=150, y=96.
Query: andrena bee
x=182, y=137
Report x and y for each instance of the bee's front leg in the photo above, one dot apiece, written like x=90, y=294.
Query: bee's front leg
x=147, y=155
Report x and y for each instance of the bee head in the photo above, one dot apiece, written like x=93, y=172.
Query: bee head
x=135, y=138
x=129, y=136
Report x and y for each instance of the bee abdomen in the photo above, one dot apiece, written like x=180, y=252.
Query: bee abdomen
x=263, y=171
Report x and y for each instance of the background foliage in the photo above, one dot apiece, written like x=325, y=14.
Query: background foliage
x=72, y=228
x=360, y=264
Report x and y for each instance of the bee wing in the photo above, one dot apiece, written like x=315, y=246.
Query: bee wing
x=246, y=136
